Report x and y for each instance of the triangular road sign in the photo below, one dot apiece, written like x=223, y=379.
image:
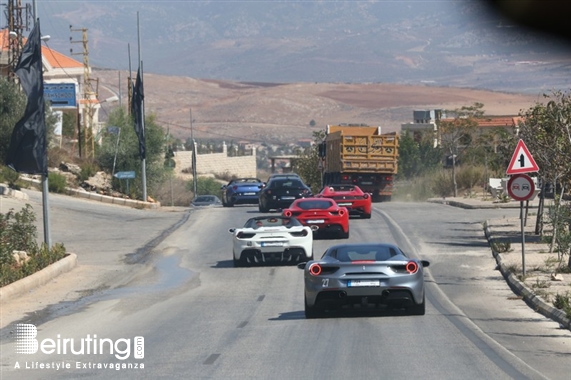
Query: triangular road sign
x=522, y=161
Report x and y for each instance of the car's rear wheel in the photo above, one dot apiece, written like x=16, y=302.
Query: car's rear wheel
x=311, y=312
x=418, y=309
x=366, y=216
x=238, y=262
x=261, y=207
x=344, y=235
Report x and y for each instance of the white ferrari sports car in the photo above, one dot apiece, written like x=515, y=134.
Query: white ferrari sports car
x=272, y=239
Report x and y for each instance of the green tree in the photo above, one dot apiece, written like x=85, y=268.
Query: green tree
x=12, y=105
x=456, y=134
x=307, y=163
x=545, y=129
x=128, y=158
x=417, y=154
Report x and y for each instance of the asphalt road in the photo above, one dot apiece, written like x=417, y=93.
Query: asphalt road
x=201, y=318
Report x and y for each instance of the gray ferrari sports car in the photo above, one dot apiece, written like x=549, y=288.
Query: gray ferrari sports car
x=367, y=276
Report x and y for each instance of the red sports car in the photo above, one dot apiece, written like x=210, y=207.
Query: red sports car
x=321, y=212
x=350, y=196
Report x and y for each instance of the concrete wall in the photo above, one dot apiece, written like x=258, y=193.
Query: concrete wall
x=215, y=163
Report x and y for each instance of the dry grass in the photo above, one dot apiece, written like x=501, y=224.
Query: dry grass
x=281, y=113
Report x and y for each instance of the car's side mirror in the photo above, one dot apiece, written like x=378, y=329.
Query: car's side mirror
x=301, y=265
x=425, y=263
x=231, y=230
x=222, y=187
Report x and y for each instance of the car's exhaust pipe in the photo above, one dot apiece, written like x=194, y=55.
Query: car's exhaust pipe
x=342, y=294
x=385, y=293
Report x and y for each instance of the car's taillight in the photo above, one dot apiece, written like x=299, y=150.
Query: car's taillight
x=299, y=233
x=268, y=191
x=341, y=212
x=315, y=269
x=235, y=187
x=244, y=235
x=411, y=267
x=366, y=195
x=287, y=213
x=345, y=177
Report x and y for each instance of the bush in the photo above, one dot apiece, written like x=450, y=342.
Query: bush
x=469, y=176
x=18, y=233
x=443, y=184
x=563, y=302
x=10, y=177
x=205, y=186
x=174, y=192
x=56, y=183
x=88, y=170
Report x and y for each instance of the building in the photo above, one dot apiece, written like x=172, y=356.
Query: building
x=63, y=82
x=427, y=120
x=424, y=120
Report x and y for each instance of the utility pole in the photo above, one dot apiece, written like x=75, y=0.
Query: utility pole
x=16, y=26
x=89, y=97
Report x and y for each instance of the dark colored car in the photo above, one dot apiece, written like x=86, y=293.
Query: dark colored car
x=365, y=276
x=280, y=192
x=206, y=200
x=241, y=191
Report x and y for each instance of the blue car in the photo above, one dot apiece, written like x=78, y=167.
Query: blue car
x=241, y=191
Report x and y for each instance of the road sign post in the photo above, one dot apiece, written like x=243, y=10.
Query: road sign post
x=125, y=175
x=521, y=188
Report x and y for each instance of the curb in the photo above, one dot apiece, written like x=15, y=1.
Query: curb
x=518, y=287
x=6, y=191
x=476, y=206
x=38, y=279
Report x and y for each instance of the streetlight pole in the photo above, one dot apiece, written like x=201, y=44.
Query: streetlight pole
x=194, y=179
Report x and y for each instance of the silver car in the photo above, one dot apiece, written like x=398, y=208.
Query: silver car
x=367, y=276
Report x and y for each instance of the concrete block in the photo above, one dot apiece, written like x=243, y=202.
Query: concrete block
x=106, y=199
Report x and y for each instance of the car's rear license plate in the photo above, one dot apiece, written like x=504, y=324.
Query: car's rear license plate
x=249, y=193
x=345, y=204
x=317, y=221
x=272, y=244
x=360, y=283
x=366, y=183
x=288, y=198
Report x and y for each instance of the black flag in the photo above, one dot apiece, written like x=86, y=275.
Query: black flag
x=138, y=114
x=27, y=152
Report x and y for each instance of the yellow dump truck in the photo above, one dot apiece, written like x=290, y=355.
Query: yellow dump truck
x=360, y=155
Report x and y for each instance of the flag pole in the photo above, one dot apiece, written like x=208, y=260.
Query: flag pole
x=45, y=184
x=194, y=179
x=143, y=161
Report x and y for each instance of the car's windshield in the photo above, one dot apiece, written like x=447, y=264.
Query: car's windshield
x=271, y=222
x=367, y=252
x=245, y=181
x=341, y=187
x=286, y=183
x=314, y=204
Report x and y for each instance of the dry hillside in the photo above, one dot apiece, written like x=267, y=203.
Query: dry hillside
x=278, y=113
